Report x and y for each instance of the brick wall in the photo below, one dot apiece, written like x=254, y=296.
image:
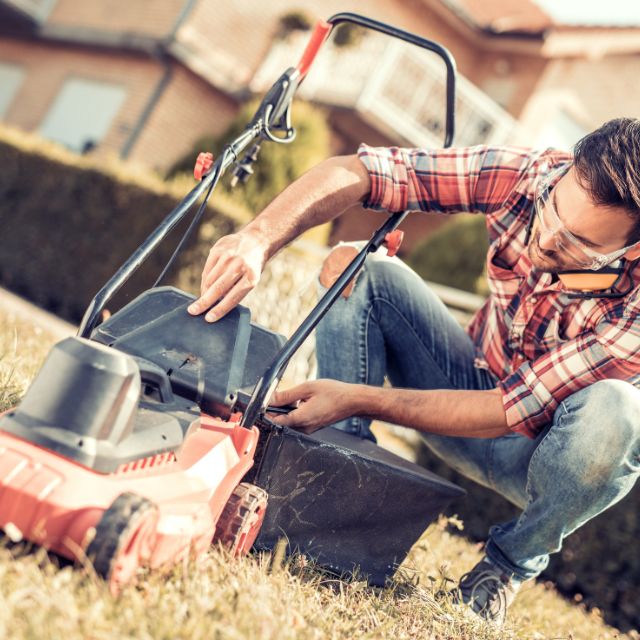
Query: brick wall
x=187, y=110
x=46, y=68
x=149, y=17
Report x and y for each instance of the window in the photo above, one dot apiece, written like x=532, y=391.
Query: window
x=10, y=79
x=82, y=113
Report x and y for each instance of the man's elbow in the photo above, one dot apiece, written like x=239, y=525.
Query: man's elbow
x=357, y=180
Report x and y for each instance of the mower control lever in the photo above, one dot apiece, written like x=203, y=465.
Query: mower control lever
x=244, y=169
x=239, y=401
x=392, y=241
x=320, y=33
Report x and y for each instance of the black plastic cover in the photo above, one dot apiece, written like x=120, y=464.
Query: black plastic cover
x=205, y=362
x=346, y=503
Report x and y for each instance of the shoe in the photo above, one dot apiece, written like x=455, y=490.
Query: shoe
x=488, y=591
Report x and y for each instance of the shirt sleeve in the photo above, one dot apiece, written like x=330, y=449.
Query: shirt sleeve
x=466, y=179
x=535, y=390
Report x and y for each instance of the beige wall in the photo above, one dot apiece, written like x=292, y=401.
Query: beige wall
x=253, y=26
x=245, y=29
x=589, y=91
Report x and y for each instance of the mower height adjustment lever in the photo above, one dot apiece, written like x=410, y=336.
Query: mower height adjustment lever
x=392, y=241
x=204, y=162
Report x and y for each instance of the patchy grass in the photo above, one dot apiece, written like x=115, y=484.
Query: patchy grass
x=23, y=347
x=258, y=597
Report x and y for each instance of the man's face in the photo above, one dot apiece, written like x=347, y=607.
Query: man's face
x=602, y=229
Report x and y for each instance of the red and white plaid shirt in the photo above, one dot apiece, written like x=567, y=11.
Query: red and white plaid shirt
x=541, y=344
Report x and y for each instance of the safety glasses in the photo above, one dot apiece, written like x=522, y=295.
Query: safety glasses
x=550, y=223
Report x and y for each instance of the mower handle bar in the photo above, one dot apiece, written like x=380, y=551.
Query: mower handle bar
x=269, y=381
x=273, y=108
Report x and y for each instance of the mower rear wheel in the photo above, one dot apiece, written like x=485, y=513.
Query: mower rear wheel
x=241, y=519
x=124, y=538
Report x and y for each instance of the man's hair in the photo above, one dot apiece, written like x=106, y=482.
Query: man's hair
x=607, y=163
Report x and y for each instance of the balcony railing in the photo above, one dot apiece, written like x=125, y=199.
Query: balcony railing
x=397, y=88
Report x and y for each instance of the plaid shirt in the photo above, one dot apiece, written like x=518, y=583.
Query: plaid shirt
x=541, y=344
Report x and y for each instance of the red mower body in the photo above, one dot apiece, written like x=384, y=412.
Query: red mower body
x=148, y=511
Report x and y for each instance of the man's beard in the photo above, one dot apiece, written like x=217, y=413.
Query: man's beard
x=543, y=260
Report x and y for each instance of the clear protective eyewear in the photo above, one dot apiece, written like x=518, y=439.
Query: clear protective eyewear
x=565, y=241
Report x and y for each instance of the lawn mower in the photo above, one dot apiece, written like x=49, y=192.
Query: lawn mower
x=146, y=437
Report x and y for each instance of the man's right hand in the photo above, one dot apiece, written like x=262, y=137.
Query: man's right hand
x=232, y=270
x=236, y=261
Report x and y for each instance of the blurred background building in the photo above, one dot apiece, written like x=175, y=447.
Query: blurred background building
x=145, y=79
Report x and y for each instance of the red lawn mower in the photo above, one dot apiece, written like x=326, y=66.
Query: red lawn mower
x=134, y=444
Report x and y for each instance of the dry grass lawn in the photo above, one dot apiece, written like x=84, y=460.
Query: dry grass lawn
x=262, y=597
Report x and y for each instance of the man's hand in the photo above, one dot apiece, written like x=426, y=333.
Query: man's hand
x=320, y=403
x=232, y=270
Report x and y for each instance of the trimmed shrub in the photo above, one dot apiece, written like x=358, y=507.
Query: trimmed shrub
x=349, y=35
x=68, y=223
x=296, y=20
x=455, y=254
x=278, y=164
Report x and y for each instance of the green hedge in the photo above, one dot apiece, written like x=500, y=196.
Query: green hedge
x=599, y=563
x=455, y=254
x=68, y=223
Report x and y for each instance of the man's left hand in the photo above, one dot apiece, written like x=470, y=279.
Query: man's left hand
x=320, y=403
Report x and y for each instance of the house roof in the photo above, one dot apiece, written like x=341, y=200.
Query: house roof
x=531, y=17
x=502, y=16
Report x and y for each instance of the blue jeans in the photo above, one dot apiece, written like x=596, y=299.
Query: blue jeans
x=585, y=461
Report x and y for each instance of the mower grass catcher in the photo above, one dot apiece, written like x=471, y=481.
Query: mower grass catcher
x=145, y=438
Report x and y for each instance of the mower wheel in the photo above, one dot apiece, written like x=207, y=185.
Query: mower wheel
x=124, y=539
x=241, y=519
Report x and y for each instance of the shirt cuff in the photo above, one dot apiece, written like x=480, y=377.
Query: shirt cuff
x=528, y=404
x=389, y=178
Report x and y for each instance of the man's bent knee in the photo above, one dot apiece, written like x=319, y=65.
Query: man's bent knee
x=335, y=263
x=605, y=402
x=600, y=424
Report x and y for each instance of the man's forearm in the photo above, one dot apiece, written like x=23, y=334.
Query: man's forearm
x=472, y=414
x=318, y=196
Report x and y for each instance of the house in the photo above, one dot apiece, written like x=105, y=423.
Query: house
x=145, y=79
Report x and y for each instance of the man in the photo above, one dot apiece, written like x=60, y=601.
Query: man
x=538, y=399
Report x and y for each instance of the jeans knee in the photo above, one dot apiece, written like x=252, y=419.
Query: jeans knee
x=376, y=272
x=334, y=264
x=600, y=430
x=604, y=406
